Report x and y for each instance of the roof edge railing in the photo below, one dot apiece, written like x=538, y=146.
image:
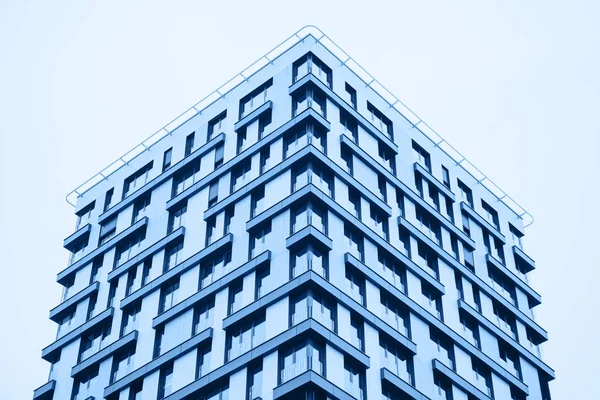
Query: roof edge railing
x=345, y=59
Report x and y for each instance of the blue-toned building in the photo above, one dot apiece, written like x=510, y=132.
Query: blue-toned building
x=298, y=234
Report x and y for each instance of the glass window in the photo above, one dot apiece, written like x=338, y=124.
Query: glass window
x=122, y=364
x=257, y=202
x=255, y=99
x=309, y=258
x=136, y=180
x=354, y=242
x=108, y=198
x=490, y=214
x=84, y=215
x=216, y=125
x=165, y=382
x=167, y=159
x=258, y=239
x=304, y=356
x=446, y=177
x=245, y=337
x=349, y=126
x=396, y=360
x=241, y=175
x=203, y=316
x=214, y=269
x=235, y=298
x=202, y=361
x=172, y=256
x=169, y=297
x=255, y=380
x=354, y=380
x=310, y=64
x=380, y=121
x=189, y=143
x=265, y=158
x=107, y=230
x=309, y=214
x=309, y=98
x=213, y=194
x=139, y=207
x=465, y=193
x=177, y=218
x=219, y=152
x=129, y=248
x=421, y=156
x=186, y=177
x=350, y=95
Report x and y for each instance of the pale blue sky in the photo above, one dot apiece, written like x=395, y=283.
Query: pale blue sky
x=514, y=85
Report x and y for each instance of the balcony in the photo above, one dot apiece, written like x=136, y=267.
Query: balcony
x=237, y=349
x=480, y=383
x=303, y=314
x=505, y=326
x=398, y=367
x=299, y=367
x=393, y=320
x=354, y=389
x=353, y=291
x=204, y=323
x=186, y=183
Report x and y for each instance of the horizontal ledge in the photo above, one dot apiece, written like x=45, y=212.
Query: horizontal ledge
x=57, y=312
x=534, y=296
x=50, y=351
x=104, y=353
x=197, y=297
x=159, y=361
x=309, y=233
x=70, y=241
x=45, y=392
x=433, y=180
x=401, y=385
x=458, y=380
x=253, y=115
x=310, y=377
x=482, y=222
x=71, y=269
x=176, y=270
x=147, y=252
x=529, y=263
x=199, y=152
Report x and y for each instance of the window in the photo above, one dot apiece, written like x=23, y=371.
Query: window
x=186, y=177
x=382, y=186
x=264, y=121
x=396, y=360
x=203, y=316
x=516, y=236
x=354, y=242
x=202, y=361
x=309, y=98
x=130, y=319
x=245, y=337
x=65, y=322
x=465, y=193
x=482, y=377
x=350, y=95
x=131, y=276
x=255, y=380
x=214, y=269
x=446, y=177
x=510, y=359
x=112, y=291
x=354, y=380
x=129, y=247
x=346, y=156
x=262, y=285
x=242, y=140
x=469, y=260
x=265, y=157
x=421, y=156
x=349, y=126
x=466, y=225
x=241, y=175
x=136, y=180
x=313, y=304
x=213, y=194
x=158, y=340
x=83, y=384
x=357, y=332
x=392, y=272
x=493, y=246
x=91, y=343
x=394, y=314
x=107, y=230
x=304, y=356
x=505, y=320
x=172, y=256
x=189, y=143
x=165, y=382
x=177, y=217
x=380, y=121
x=108, y=198
x=146, y=270
x=387, y=157
x=135, y=391
x=309, y=214
x=308, y=258
x=258, y=239
x=433, y=196
x=168, y=297
x=122, y=364
x=229, y=213
x=431, y=301
x=470, y=329
x=303, y=137
x=216, y=125
x=310, y=64
x=442, y=387
x=254, y=99
x=84, y=215
x=139, y=207
x=96, y=265
x=211, y=230
x=429, y=226
x=444, y=346
x=219, y=150
x=355, y=286
x=77, y=250
x=235, y=297
x=379, y=222
x=167, y=159
x=354, y=199
x=427, y=259
x=257, y=202
x=490, y=214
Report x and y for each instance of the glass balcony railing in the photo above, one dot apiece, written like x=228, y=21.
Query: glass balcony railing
x=354, y=389
x=204, y=323
x=299, y=367
x=131, y=326
x=186, y=183
x=254, y=392
x=510, y=367
x=304, y=264
x=392, y=278
x=86, y=390
x=397, y=366
x=76, y=256
x=502, y=291
x=238, y=349
x=97, y=345
x=218, y=272
x=356, y=342
x=469, y=336
x=302, y=314
x=431, y=306
x=241, y=182
x=353, y=291
x=444, y=357
x=124, y=368
x=480, y=383
x=504, y=326
x=393, y=320
x=259, y=247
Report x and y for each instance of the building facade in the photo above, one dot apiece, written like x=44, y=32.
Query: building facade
x=298, y=238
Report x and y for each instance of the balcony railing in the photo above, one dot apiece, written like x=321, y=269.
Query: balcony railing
x=302, y=314
x=301, y=366
x=397, y=367
x=354, y=389
x=97, y=345
x=393, y=320
x=204, y=323
x=186, y=183
x=354, y=292
x=480, y=383
x=238, y=349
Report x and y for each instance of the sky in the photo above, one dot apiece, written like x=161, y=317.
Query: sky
x=513, y=85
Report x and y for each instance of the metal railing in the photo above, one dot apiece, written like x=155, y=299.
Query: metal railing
x=361, y=73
